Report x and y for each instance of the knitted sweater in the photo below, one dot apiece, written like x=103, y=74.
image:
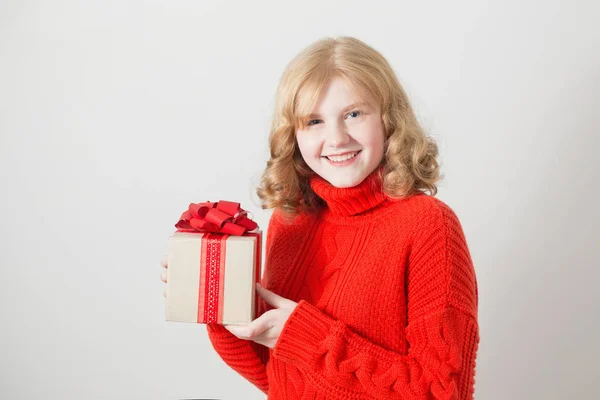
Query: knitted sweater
x=387, y=301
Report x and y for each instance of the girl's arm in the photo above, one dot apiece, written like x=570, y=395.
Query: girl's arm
x=442, y=329
x=246, y=357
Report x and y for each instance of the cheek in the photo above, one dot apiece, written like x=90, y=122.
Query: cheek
x=378, y=141
x=308, y=146
x=373, y=138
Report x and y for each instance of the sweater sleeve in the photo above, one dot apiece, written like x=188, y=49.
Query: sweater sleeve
x=246, y=357
x=442, y=329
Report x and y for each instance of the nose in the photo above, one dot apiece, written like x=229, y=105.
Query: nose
x=336, y=136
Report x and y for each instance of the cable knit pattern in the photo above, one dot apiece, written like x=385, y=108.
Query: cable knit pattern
x=387, y=301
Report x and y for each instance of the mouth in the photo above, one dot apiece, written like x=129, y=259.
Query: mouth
x=343, y=159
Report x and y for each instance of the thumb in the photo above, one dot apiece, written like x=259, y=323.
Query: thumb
x=271, y=298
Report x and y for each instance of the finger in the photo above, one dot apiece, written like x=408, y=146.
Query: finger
x=271, y=298
x=237, y=330
x=163, y=277
x=258, y=326
x=163, y=262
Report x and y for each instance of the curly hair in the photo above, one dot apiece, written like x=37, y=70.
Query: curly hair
x=409, y=163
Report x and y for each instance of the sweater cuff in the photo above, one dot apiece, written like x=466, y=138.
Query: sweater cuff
x=305, y=329
x=216, y=329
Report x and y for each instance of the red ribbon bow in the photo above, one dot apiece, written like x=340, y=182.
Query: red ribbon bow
x=220, y=217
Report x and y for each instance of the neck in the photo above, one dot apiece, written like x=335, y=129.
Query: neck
x=354, y=200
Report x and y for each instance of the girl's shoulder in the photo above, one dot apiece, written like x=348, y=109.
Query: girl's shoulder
x=430, y=205
x=281, y=221
x=422, y=210
x=431, y=213
x=285, y=233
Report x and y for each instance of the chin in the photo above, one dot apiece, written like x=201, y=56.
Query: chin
x=344, y=181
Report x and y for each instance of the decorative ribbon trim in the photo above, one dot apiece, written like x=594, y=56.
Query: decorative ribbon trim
x=220, y=217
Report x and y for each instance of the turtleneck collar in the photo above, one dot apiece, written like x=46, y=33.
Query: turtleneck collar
x=352, y=200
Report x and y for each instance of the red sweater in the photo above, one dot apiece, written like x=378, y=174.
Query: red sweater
x=387, y=301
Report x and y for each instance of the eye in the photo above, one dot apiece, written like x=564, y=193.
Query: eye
x=354, y=112
x=311, y=121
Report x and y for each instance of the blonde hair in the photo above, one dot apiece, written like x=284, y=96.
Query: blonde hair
x=409, y=163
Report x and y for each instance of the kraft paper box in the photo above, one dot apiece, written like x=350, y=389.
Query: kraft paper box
x=211, y=275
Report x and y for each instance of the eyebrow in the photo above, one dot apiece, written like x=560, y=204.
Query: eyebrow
x=347, y=108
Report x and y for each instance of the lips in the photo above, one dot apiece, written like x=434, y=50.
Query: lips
x=345, y=161
x=343, y=155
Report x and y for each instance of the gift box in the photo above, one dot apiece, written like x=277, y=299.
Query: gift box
x=214, y=262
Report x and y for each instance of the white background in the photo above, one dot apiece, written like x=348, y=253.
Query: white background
x=115, y=115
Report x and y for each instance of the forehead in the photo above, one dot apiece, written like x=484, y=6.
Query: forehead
x=335, y=95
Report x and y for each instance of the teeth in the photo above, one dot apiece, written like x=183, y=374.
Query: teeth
x=343, y=158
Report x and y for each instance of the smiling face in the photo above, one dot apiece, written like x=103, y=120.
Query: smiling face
x=343, y=140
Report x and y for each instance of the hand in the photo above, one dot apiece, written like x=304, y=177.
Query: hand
x=163, y=274
x=266, y=329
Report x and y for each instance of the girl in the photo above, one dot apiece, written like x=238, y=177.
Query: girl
x=369, y=288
